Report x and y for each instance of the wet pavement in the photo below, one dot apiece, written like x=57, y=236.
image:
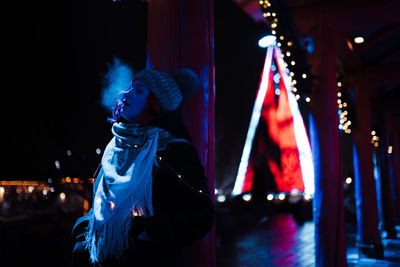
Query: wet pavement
x=280, y=239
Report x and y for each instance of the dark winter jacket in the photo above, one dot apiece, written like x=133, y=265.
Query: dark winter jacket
x=183, y=213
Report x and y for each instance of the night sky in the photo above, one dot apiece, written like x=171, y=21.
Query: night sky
x=60, y=50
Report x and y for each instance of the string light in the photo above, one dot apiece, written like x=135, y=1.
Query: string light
x=359, y=40
x=246, y=197
x=344, y=121
x=375, y=139
x=221, y=198
x=285, y=43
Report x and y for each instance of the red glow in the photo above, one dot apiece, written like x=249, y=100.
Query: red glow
x=275, y=146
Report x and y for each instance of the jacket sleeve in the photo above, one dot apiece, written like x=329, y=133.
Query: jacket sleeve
x=190, y=215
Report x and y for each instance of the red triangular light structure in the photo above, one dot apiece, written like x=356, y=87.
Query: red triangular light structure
x=276, y=123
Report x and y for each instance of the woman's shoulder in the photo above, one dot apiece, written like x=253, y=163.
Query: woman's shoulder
x=181, y=145
x=182, y=155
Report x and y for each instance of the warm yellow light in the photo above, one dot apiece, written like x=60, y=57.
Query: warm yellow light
x=261, y=2
x=86, y=204
x=339, y=101
x=273, y=14
x=290, y=43
x=274, y=25
x=19, y=183
x=359, y=40
x=373, y=133
x=349, y=45
x=68, y=179
x=246, y=197
x=376, y=144
x=281, y=37
x=265, y=15
x=339, y=84
x=344, y=104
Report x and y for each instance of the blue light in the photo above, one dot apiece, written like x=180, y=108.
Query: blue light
x=255, y=117
x=277, y=78
x=268, y=40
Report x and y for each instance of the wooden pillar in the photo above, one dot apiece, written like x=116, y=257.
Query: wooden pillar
x=180, y=34
x=369, y=241
x=330, y=248
x=387, y=192
x=393, y=154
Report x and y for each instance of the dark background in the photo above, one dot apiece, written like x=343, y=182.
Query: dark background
x=58, y=53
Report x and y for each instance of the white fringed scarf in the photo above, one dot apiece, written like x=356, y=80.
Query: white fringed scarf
x=125, y=186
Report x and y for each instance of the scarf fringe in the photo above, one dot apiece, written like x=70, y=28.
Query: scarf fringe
x=111, y=239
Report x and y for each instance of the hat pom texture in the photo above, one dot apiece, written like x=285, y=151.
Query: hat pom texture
x=188, y=82
x=170, y=90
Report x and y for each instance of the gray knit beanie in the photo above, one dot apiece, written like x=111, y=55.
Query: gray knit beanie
x=169, y=91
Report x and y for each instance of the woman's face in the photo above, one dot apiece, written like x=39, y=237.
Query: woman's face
x=134, y=101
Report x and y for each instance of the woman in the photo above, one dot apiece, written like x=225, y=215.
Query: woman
x=150, y=198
